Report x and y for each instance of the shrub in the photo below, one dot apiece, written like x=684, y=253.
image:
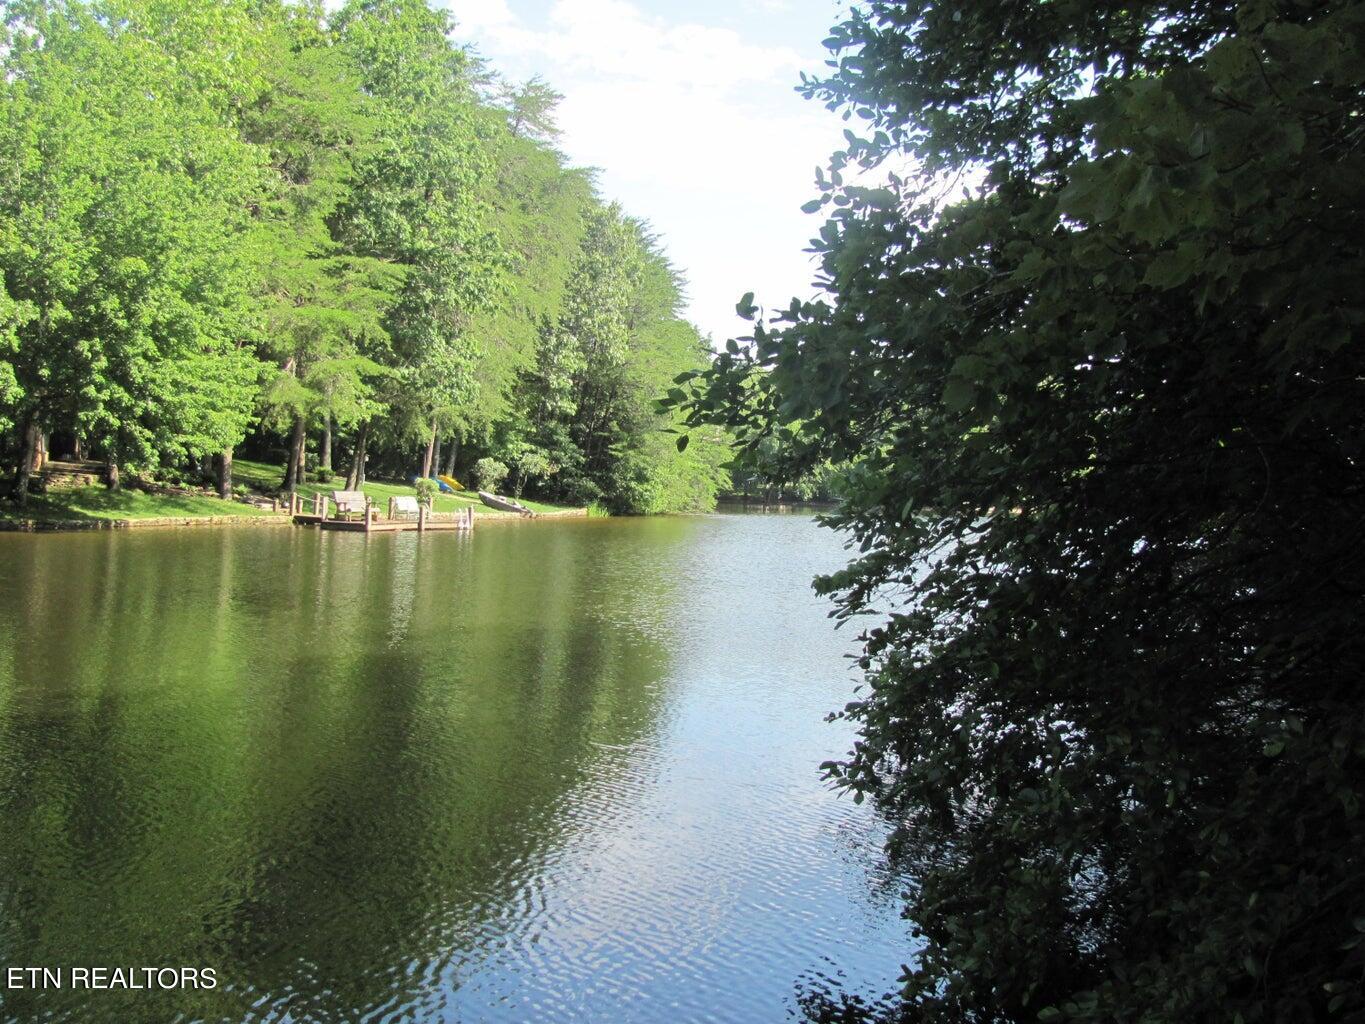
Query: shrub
x=489, y=474
x=426, y=490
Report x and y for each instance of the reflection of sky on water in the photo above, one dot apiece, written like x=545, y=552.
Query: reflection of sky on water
x=709, y=867
x=551, y=771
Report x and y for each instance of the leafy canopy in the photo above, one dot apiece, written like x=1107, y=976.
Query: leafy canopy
x=1096, y=362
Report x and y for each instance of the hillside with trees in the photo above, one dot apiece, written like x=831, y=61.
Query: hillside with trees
x=336, y=241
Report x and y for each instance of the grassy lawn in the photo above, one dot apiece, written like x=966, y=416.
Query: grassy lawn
x=129, y=503
x=265, y=478
x=101, y=503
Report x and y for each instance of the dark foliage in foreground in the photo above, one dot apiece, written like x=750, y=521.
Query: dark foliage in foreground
x=1105, y=405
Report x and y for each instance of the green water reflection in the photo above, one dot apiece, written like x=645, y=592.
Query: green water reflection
x=405, y=778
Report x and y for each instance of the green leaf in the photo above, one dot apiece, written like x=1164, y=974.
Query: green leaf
x=1168, y=269
x=959, y=394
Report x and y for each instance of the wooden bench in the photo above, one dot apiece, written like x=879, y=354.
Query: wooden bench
x=404, y=506
x=351, y=503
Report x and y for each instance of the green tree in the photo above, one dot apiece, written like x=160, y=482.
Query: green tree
x=1105, y=410
x=597, y=316
x=225, y=223
x=530, y=107
x=489, y=473
x=125, y=196
x=539, y=208
x=12, y=316
x=325, y=302
x=417, y=203
x=586, y=413
x=538, y=442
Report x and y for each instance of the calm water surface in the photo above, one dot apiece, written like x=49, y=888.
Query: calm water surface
x=551, y=772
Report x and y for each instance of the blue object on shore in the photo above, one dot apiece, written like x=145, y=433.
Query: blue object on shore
x=445, y=487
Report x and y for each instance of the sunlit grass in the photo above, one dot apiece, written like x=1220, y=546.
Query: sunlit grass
x=86, y=503
x=264, y=477
x=101, y=503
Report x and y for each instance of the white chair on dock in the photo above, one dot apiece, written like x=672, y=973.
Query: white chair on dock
x=404, y=507
x=351, y=503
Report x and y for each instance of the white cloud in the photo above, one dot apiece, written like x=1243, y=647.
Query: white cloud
x=614, y=39
x=485, y=15
x=696, y=128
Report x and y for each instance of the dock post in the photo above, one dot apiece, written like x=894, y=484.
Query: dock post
x=369, y=514
x=275, y=504
x=421, y=517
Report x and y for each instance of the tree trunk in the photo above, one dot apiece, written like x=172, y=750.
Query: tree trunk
x=113, y=482
x=80, y=448
x=431, y=448
x=224, y=462
x=301, y=462
x=450, y=455
x=436, y=459
x=26, y=459
x=291, y=471
x=356, y=476
x=40, y=456
x=325, y=456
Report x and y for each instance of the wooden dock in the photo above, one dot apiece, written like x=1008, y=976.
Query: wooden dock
x=382, y=525
x=371, y=522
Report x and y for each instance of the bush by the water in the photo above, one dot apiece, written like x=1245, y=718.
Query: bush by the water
x=489, y=474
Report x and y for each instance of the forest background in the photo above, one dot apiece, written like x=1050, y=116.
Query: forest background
x=334, y=240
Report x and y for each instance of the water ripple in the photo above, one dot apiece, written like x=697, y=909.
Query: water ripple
x=562, y=773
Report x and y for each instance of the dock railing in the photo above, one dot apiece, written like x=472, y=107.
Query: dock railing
x=321, y=514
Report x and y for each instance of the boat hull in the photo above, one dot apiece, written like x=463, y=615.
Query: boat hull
x=504, y=504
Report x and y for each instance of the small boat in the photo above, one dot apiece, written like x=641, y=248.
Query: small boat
x=504, y=504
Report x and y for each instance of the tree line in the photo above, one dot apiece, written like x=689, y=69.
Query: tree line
x=1093, y=358
x=336, y=240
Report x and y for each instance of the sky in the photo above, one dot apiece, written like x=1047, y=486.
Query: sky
x=689, y=110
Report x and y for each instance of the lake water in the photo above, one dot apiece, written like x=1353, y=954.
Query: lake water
x=553, y=771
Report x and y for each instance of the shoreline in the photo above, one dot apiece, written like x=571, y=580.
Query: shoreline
x=270, y=519
x=82, y=525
